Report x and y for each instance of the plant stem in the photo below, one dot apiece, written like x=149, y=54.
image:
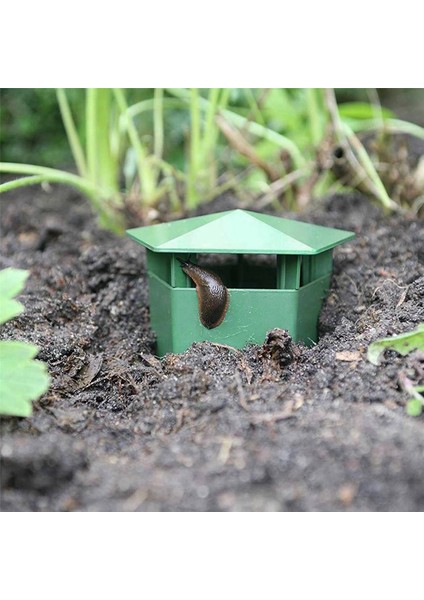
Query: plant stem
x=314, y=112
x=107, y=213
x=194, y=151
x=145, y=173
x=254, y=107
x=346, y=135
x=209, y=142
x=251, y=126
x=147, y=105
x=55, y=175
x=158, y=122
x=102, y=165
x=71, y=132
x=268, y=134
x=391, y=125
x=369, y=168
x=21, y=182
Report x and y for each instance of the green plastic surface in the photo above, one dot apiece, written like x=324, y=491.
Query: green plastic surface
x=285, y=292
x=251, y=314
x=239, y=232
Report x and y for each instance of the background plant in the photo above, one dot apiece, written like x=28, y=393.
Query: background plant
x=108, y=142
x=403, y=344
x=22, y=379
x=176, y=148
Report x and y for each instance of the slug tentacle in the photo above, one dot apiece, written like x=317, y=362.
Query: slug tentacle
x=212, y=295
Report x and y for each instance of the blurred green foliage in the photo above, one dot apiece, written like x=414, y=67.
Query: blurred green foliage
x=179, y=147
x=32, y=130
x=31, y=126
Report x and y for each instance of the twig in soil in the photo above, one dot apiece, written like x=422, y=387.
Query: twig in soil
x=404, y=289
x=153, y=362
x=402, y=297
x=409, y=386
x=95, y=382
x=119, y=374
x=90, y=371
x=179, y=419
x=278, y=187
x=244, y=367
x=218, y=345
x=224, y=452
x=352, y=281
x=348, y=356
x=134, y=502
x=271, y=418
x=227, y=444
x=242, y=397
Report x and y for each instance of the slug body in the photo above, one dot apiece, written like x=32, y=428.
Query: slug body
x=212, y=294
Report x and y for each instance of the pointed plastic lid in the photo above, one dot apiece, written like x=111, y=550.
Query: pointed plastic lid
x=239, y=232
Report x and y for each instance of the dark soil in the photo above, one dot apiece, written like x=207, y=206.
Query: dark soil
x=213, y=429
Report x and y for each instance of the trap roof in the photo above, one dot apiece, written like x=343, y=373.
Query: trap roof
x=239, y=232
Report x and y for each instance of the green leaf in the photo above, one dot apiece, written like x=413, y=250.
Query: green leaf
x=9, y=309
x=403, y=343
x=414, y=407
x=363, y=110
x=22, y=379
x=12, y=282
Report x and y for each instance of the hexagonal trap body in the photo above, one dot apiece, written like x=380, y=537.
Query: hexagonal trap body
x=277, y=272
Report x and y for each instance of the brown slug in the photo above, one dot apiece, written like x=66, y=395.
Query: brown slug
x=212, y=294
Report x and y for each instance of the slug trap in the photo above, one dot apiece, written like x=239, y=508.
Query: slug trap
x=231, y=277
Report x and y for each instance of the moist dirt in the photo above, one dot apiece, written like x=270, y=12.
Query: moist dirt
x=277, y=427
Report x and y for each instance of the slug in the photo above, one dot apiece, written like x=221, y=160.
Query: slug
x=212, y=294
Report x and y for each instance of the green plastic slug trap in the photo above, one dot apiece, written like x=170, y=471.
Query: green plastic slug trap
x=231, y=277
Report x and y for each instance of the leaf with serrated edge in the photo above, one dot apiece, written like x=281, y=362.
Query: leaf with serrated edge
x=12, y=282
x=403, y=344
x=22, y=379
x=9, y=309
